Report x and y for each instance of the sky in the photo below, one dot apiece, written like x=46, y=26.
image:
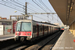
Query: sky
x=41, y=6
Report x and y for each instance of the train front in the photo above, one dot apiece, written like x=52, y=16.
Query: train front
x=23, y=30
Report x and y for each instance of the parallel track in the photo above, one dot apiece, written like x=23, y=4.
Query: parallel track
x=36, y=45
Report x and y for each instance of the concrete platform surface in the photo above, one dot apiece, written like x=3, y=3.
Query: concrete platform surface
x=65, y=41
x=6, y=37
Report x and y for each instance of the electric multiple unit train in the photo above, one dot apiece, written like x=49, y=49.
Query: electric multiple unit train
x=30, y=29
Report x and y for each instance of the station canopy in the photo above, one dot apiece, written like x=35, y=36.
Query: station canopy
x=65, y=10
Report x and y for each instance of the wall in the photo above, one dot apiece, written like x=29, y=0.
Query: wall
x=72, y=28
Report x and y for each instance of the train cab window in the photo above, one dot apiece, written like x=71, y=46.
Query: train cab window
x=18, y=26
x=26, y=26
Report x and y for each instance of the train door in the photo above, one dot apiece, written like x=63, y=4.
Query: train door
x=37, y=30
x=43, y=30
x=34, y=31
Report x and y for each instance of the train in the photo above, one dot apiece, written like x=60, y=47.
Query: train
x=30, y=29
x=62, y=28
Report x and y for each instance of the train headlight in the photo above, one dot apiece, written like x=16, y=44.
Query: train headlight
x=28, y=33
x=18, y=33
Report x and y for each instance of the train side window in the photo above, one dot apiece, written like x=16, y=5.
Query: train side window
x=45, y=28
x=34, y=29
x=48, y=28
x=40, y=28
x=51, y=28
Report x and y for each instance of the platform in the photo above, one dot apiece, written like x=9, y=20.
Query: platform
x=65, y=41
x=6, y=37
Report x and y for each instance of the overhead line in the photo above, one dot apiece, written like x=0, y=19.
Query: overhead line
x=10, y=7
x=11, y=3
x=38, y=5
x=18, y=6
x=44, y=4
x=24, y=6
x=18, y=3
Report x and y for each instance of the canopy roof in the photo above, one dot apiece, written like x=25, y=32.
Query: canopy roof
x=65, y=10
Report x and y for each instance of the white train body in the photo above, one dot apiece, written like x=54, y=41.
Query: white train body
x=29, y=29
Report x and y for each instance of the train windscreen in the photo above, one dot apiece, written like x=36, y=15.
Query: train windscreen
x=18, y=26
x=24, y=26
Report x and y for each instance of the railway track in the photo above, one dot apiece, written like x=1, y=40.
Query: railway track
x=42, y=44
x=36, y=45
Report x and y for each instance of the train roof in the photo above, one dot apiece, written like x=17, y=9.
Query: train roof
x=44, y=23
x=38, y=22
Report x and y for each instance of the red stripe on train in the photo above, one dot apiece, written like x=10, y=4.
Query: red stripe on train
x=23, y=33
